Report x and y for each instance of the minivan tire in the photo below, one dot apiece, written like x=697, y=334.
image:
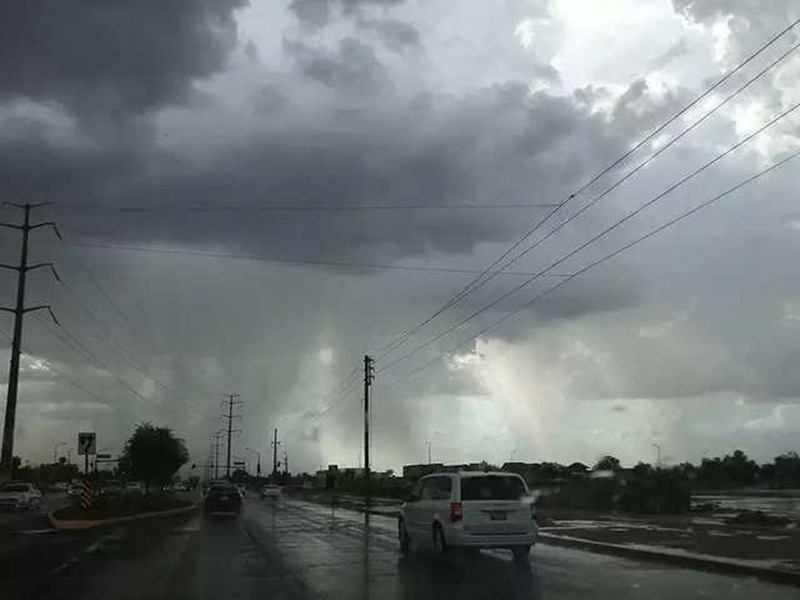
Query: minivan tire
x=402, y=535
x=439, y=543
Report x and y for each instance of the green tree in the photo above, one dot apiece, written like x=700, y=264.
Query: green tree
x=607, y=463
x=577, y=468
x=152, y=455
x=787, y=469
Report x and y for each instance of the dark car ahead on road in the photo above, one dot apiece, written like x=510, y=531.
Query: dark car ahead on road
x=223, y=499
x=111, y=488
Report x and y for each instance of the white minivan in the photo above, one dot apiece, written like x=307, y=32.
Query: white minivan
x=472, y=509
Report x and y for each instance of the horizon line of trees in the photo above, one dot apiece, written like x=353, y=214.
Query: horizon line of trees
x=733, y=470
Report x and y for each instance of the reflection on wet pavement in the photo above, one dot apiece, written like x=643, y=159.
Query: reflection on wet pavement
x=350, y=555
x=356, y=556
x=295, y=550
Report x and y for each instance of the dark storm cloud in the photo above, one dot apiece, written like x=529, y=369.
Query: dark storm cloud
x=331, y=122
x=111, y=56
x=498, y=144
x=353, y=5
x=314, y=13
x=317, y=13
x=396, y=35
x=36, y=165
x=352, y=67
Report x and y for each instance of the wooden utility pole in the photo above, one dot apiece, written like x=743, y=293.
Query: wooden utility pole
x=19, y=311
x=369, y=374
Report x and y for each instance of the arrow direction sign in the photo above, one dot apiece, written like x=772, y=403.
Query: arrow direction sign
x=87, y=443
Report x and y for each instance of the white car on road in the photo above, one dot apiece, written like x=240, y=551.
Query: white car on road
x=271, y=491
x=15, y=495
x=470, y=509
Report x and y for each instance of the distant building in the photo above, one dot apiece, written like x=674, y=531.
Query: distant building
x=350, y=473
x=327, y=478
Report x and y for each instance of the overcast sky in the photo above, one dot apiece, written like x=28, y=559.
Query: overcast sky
x=162, y=131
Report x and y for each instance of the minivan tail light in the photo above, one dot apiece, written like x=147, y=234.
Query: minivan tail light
x=455, y=511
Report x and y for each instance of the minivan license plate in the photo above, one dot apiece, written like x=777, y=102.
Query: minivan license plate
x=497, y=515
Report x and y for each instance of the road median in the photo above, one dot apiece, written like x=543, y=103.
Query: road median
x=59, y=520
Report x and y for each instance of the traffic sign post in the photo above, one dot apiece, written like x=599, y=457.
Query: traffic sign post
x=87, y=445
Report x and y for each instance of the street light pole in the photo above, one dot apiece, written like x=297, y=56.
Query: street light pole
x=658, y=454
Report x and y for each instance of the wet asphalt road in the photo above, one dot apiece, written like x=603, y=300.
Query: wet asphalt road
x=296, y=550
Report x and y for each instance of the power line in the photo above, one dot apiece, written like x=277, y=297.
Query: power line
x=343, y=395
x=73, y=343
x=331, y=400
x=598, y=236
x=129, y=322
x=295, y=427
x=73, y=382
x=145, y=209
x=647, y=161
x=290, y=261
x=97, y=285
x=127, y=355
x=82, y=304
x=472, y=285
x=597, y=263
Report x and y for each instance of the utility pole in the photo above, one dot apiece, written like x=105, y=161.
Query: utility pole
x=19, y=311
x=231, y=402
x=369, y=375
x=216, y=453
x=275, y=443
x=285, y=462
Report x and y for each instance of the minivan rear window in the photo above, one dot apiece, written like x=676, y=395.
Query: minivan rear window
x=492, y=487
